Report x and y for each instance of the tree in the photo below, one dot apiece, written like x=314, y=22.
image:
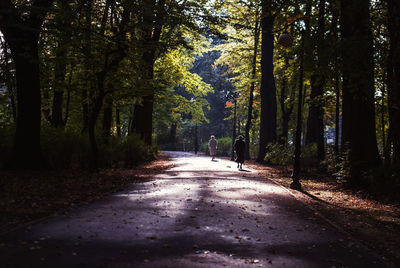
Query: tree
x=21, y=29
x=315, y=122
x=394, y=77
x=268, y=90
x=359, y=133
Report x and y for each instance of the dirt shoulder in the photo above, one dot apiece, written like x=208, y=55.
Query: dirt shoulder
x=374, y=223
x=30, y=196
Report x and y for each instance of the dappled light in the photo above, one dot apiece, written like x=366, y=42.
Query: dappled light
x=212, y=133
x=195, y=213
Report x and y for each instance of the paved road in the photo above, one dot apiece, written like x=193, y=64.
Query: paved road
x=201, y=213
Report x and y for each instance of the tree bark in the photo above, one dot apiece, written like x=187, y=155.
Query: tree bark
x=286, y=110
x=118, y=122
x=151, y=33
x=22, y=36
x=59, y=84
x=315, y=122
x=359, y=131
x=394, y=77
x=268, y=89
x=252, y=86
x=172, y=136
x=60, y=70
x=337, y=114
x=107, y=117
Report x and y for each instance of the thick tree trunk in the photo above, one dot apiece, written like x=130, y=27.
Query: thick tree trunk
x=143, y=115
x=252, y=86
x=394, y=77
x=22, y=35
x=151, y=33
x=359, y=132
x=24, y=50
x=143, y=119
x=315, y=123
x=268, y=89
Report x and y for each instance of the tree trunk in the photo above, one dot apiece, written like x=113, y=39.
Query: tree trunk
x=151, y=33
x=315, y=122
x=359, y=131
x=62, y=22
x=337, y=114
x=299, y=124
x=22, y=35
x=118, y=122
x=143, y=119
x=172, y=136
x=286, y=110
x=87, y=50
x=394, y=77
x=196, y=139
x=24, y=50
x=268, y=89
x=59, y=84
x=252, y=86
x=234, y=129
x=107, y=118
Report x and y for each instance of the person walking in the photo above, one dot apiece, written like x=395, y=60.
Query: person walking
x=212, y=146
x=239, y=147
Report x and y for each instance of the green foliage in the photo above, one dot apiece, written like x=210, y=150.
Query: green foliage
x=64, y=148
x=136, y=151
x=70, y=149
x=224, y=147
x=279, y=154
x=309, y=156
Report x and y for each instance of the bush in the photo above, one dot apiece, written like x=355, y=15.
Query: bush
x=68, y=148
x=224, y=147
x=309, y=156
x=136, y=151
x=6, y=145
x=64, y=148
x=279, y=154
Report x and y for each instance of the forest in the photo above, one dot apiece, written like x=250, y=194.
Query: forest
x=313, y=84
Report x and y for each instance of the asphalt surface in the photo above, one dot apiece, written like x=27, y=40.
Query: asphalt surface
x=200, y=213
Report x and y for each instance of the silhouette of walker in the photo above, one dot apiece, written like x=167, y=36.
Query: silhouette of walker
x=239, y=147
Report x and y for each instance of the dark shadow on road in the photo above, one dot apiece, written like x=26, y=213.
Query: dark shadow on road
x=316, y=198
x=188, y=218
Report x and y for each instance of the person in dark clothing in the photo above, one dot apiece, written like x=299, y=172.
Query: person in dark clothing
x=240, y=146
